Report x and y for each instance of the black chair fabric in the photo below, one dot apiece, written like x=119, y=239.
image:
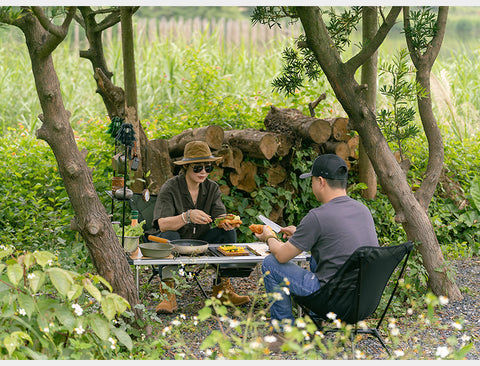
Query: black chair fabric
x=355, y=291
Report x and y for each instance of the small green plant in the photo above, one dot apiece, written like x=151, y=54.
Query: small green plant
x=397, y=123
x=129, y=230
x=52, y=313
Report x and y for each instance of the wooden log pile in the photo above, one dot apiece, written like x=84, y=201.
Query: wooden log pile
x=251, y=153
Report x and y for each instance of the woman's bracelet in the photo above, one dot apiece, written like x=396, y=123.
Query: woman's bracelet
x=188, y=217
x=183, y=217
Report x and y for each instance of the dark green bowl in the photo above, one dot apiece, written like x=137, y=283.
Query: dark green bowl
x=156, y=250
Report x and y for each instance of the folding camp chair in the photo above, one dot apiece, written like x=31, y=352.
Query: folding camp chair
x=354, y=292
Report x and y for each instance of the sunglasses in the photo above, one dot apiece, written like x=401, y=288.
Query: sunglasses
x=197, y=168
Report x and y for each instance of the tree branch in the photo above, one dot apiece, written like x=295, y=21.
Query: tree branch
x=369, y=49
x=57, y=33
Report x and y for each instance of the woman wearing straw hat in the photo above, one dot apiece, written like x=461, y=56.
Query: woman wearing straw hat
x=185, y=208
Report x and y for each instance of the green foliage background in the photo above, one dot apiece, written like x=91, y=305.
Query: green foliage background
x=192, y=84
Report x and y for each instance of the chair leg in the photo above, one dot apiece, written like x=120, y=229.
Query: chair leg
x=374, y=332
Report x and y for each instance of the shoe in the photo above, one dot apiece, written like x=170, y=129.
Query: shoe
x=169, y=305
x=275, y=342
x=225, y=292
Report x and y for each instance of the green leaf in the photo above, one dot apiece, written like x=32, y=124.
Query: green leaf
x=100, y=326
x=475, y=192
x=95, y=292
x=108, y=307
x=37, y=280
x=122, y=337
x=204, y=313
x=15, y=273
x=61, y=279
x=65, y=317
x=75, y=292
x=43, y=258
x=27, y=303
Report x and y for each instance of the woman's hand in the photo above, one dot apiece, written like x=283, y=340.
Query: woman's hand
x=199, y=217
x=227, y=227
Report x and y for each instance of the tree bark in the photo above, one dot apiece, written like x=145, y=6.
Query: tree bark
x=369, y=77
x=340, y=128
x=232, y=157
x=409, y=211
x=255, y=143
x=91, y=218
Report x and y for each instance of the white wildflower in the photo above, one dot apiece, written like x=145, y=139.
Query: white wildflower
x=395, y=332
x=78, y=309
x=277, y=296
x=176, y=322
x=337, y=323
x=319, y=334
x=31, y=276
x=331, y=316
x=409, y=311
x=301, y=323
x=399, y=353
x=234, y=323
x=22, y=312
x=195, y=320
x=255, y=345
x=113, y=342
x=287, y=328
x=457, y=325
x=166, y=330
x=183, y=316
x=270, y=339
x=208, y=352
x=363, y=324
x=443, y=300
x=79, y=330
x=220, y=294
x=182, y=355
x=359, y=354
x=442, y=352
x=50, y=262
x=286, y=290
x=46, y=330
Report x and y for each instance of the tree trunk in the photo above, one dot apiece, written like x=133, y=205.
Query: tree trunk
x=341, y=77
x=213, y=135
x=232, y=157
x=91, y=218
x=130, y=81
x=340, y=128
x=158, y=163
x=369, y=77
x=255, y=143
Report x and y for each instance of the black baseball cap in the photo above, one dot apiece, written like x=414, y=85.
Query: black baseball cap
x=328, y=166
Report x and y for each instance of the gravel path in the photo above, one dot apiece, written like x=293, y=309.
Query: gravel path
x=424, y=342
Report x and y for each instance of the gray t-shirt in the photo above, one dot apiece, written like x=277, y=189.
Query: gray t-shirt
x=332, y=232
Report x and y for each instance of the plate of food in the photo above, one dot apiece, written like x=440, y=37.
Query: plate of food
x=232, y=250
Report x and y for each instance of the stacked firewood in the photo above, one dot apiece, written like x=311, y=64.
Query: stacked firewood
x=245, y=151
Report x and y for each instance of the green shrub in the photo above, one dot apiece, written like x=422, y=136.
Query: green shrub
x=52, y=313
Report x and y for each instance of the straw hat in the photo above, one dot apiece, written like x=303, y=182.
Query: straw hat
x=196, y=152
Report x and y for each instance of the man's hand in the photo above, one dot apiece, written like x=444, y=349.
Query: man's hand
x=288, y=231
x=267, y=231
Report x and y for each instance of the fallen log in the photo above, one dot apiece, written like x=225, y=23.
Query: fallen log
x=232, y=157
x=285, y=144
x=157, y=161
x=338, y=147
x=275, y=174
x=244, y=179
x=353, y=146
x=339, y=128
x=252, y=142
x=292, y=121
x=212, y=135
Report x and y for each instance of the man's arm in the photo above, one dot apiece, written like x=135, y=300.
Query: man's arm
x=282, y=252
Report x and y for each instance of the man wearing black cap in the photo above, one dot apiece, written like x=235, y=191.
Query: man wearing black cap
x=331, y=232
